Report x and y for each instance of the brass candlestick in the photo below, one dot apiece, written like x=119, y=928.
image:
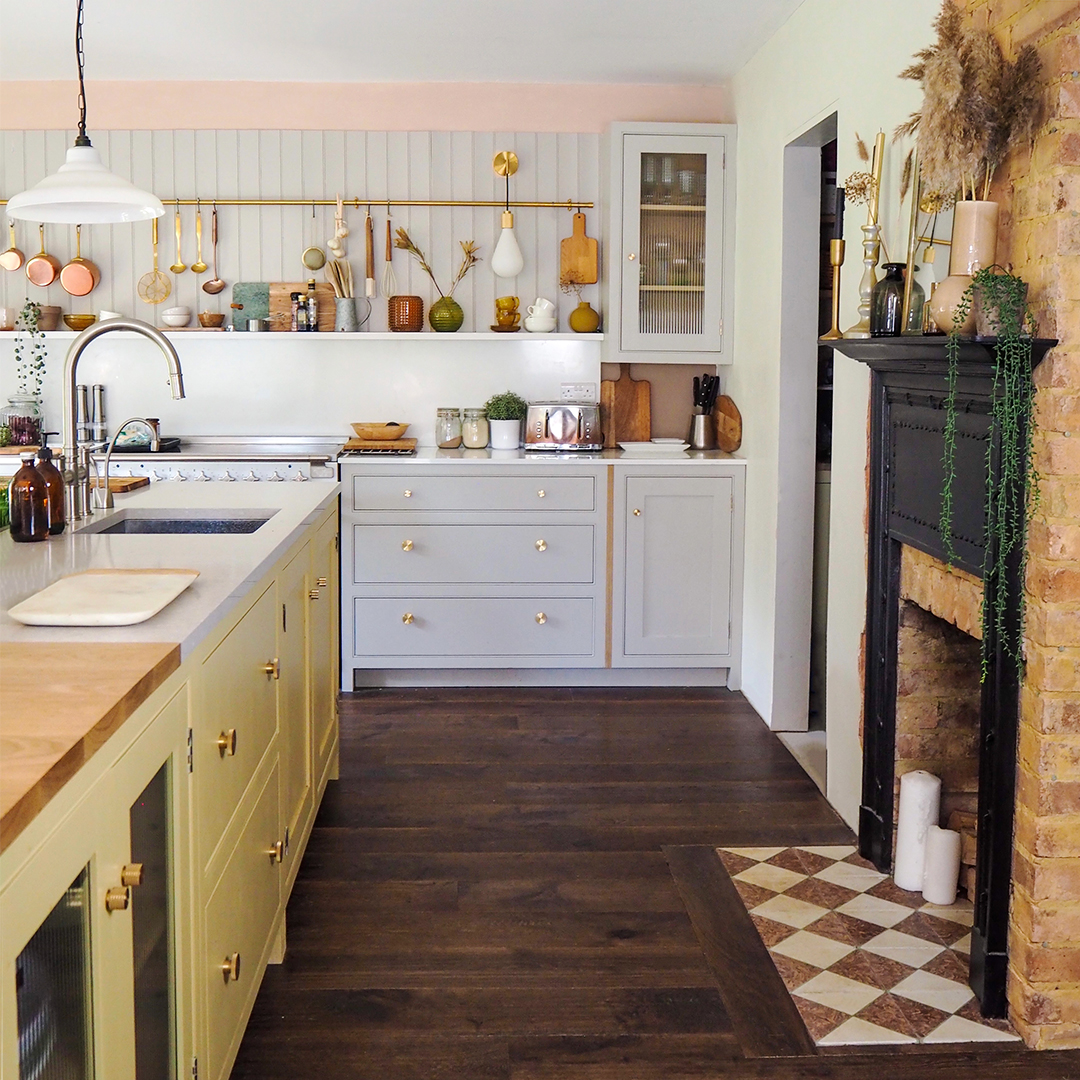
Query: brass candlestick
x=870, y=245
x=836, y=257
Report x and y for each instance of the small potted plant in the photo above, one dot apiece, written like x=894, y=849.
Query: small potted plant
x=505, y=413
x=446, y=315
x=22, y=417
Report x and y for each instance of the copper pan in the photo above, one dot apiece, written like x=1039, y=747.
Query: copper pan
x=43, y=269
x=13, y=258
x=80, y=276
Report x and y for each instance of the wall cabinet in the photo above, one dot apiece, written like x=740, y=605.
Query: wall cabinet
x=670, y=242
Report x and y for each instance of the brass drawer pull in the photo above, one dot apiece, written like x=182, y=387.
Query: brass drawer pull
x=541, y=494
x=273, y=669
x=117, y=898
x=230, y=967
x=407, y=618
x=313, y=594
x=406, y=545
x=226, y=742
x=407, y=493
x=322, y=582
x=132, y=874
x=637, y=513
x=541, y=618
x=541, y=545
x=276, y=851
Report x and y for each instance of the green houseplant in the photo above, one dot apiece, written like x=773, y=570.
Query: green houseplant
x=505, y=413
x=22, y=418
x=999, y=299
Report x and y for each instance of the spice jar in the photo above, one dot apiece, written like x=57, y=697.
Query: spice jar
x=448, y=428
x=474, y=429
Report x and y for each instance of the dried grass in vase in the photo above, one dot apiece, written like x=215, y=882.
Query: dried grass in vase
x=468, y=261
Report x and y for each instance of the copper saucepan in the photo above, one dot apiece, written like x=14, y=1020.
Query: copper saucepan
x=79, y=277
x=13, y=258
x=43, y=269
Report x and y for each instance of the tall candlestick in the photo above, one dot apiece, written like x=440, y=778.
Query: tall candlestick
x=838, y=224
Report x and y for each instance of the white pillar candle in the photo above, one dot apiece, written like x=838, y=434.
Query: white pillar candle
x=920, y=807
x=942, y=869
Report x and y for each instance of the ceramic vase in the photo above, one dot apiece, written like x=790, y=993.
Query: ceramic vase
x=345, y=321
x=405, y=314
x=505, y=434
x=446, y=315
x=945, y=300
x=583, y=320
x=974, y=236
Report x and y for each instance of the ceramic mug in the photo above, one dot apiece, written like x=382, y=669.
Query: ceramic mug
x=8, y=317
x=542, y=308
x=506, y=304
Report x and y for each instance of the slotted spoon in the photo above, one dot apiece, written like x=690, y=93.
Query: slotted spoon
x=179, y=266
x=154, y=287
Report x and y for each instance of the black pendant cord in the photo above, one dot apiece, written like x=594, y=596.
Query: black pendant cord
x=80, y=58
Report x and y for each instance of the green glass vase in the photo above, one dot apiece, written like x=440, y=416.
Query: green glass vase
x=446, y=315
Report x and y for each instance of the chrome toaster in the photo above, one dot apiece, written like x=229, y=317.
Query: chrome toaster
x=563, y=425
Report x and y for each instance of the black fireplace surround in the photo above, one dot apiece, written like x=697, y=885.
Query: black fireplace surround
x=907, y=417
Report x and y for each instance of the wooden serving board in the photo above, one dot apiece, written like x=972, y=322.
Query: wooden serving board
x=12, y=450
x=626, y=409
x=380, y=444
x=728, y=422
x=281, y=304
x=579, y=255
x=119, y=484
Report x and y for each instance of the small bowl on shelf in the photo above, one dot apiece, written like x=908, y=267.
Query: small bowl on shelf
x=380, y=432
x=176, y=316
x=211, y=319
x=80, y=322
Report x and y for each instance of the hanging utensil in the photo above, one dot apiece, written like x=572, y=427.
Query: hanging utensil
x=198, y=266
x=43, y=269
x=369, y=253
x=154, y=287
x=314, y=258
x=389, y=279
x=215, y=284
x=13, y=258
x=80, y=276
x=179, y=266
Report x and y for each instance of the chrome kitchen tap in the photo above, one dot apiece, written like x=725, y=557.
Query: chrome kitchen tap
x=78, y=457
x=103, y=499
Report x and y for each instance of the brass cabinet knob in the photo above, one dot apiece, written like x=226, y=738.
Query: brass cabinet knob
x=273, y=668
x=541, y=618
x=407, y=617
x=132, y=874
x=541, y=545
x=541, y=494
x=407, y=493
x=631, y=256
x=226, y=742
x=313, y=594
x=117, y=898
x=322, y=582
x=406, y=545
x=276, y=851
x=637, y=513
x=230, y=967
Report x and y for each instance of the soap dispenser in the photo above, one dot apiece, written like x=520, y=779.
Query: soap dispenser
x=28, y=503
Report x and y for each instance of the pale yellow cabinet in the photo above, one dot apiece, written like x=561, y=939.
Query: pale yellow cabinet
x=323, y=647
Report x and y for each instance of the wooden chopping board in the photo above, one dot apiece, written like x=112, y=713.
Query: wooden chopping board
x=728, y=422
x=380, y=444
x=281, y=303
x=6, y=450
x=119, y=484
x=578, y=260
x=626, y=409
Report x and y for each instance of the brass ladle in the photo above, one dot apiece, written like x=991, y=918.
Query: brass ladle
x=215, y=284
x=198, y=266
x=178, y=267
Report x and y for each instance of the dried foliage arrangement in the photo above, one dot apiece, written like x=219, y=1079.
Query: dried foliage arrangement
x=977, y=106
x=468, y=260
x=571, y=282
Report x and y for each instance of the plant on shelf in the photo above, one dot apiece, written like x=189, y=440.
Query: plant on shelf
x=22, y=417
x=505, y=413
x=446, y=314
x=1000, y=300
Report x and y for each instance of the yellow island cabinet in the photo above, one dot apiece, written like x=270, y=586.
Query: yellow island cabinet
x=158, y=785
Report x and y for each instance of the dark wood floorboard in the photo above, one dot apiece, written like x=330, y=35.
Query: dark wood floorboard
x=485, y=895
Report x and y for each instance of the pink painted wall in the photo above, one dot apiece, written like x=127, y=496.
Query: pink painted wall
x=554, y=107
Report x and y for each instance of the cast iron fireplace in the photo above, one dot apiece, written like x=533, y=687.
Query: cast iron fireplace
x=907, y=415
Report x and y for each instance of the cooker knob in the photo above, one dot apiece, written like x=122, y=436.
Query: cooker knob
x=275, y=477
x=300, y=478
x=178, y=476
x=158, y=476
x=202, y=476
x=251, y=477
x=227, y=477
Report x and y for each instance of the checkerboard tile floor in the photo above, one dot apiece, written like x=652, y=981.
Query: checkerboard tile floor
x=865, y=961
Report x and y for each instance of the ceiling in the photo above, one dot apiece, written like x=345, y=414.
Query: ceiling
x=573, y=41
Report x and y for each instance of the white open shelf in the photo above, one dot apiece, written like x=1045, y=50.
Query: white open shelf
x=181, y=335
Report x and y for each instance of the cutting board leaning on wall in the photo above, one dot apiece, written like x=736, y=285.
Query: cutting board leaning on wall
x=626, y=409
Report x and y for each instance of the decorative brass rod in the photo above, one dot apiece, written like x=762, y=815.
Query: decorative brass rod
x=935, y=240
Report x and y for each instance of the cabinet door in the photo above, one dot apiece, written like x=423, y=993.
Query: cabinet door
x=674, y=234
x=323, y=641
x=678, y=566
x=294, y=712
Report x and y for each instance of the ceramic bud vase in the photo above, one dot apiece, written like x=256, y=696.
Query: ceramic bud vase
x=974, y=245
x=583, y=319
x=446, y=315
x=345, y=321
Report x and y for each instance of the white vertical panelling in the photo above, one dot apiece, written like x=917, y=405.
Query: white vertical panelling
x=265, y=244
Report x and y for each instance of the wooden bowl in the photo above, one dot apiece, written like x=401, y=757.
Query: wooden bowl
x=380, y=432
x=80, y=322
x=211, y=318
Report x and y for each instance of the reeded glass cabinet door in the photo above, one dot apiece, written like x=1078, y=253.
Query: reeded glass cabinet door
x=673, y=243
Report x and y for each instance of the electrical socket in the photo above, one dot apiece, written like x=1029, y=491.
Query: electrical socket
x=582, y=392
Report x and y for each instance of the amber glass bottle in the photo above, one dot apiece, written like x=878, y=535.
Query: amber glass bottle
x=54, y=486
x=28, y=504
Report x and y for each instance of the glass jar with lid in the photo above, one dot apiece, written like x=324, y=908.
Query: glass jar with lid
x=22, y=417
x=474, y=429
x=448, y=428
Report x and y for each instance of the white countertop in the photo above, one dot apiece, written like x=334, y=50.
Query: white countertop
x=430, y=455
x=229, y=565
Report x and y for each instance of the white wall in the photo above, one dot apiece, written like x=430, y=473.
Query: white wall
x=831, y=55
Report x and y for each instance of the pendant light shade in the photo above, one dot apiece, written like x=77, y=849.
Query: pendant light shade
x=83, y=192
x=506, y=259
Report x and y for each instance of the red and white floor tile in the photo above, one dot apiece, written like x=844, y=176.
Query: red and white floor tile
x=864, y=961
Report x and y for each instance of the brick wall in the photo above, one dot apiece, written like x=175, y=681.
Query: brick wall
x=1039, y=194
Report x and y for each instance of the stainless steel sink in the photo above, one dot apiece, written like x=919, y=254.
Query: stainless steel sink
x=170, y=522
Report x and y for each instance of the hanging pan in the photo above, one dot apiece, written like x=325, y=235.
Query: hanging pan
x=43, y=269
x=13, y=258
x=79, y=277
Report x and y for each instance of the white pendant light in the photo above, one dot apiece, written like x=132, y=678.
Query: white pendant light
x=83, y=191
x=506, y=259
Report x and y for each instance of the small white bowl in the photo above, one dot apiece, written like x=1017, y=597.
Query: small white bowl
x=539, y=326
x=176, y=319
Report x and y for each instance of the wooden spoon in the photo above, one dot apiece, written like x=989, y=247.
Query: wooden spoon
x=215, y=284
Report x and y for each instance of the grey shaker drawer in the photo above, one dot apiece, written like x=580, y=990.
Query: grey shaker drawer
x=429, y=491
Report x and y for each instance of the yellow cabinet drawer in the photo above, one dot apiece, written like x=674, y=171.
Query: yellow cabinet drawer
x=472, y=554
x=434, y=492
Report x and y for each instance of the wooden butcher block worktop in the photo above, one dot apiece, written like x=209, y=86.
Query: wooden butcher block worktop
x=58, y=712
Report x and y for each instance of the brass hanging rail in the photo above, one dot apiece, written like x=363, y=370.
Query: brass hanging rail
x=356, y=204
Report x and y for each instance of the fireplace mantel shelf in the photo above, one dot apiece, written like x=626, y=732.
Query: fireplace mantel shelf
x=927, y=354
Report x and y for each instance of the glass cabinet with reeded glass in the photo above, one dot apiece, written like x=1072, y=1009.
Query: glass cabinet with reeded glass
x=670, y=242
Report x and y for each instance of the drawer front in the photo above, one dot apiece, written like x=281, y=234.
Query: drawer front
x=480, y=554
x=428, y=491
x=471, y=626
x=236, y=695
x=239, y=919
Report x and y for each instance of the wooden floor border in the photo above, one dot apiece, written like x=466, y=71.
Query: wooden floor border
x=762, y=1013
